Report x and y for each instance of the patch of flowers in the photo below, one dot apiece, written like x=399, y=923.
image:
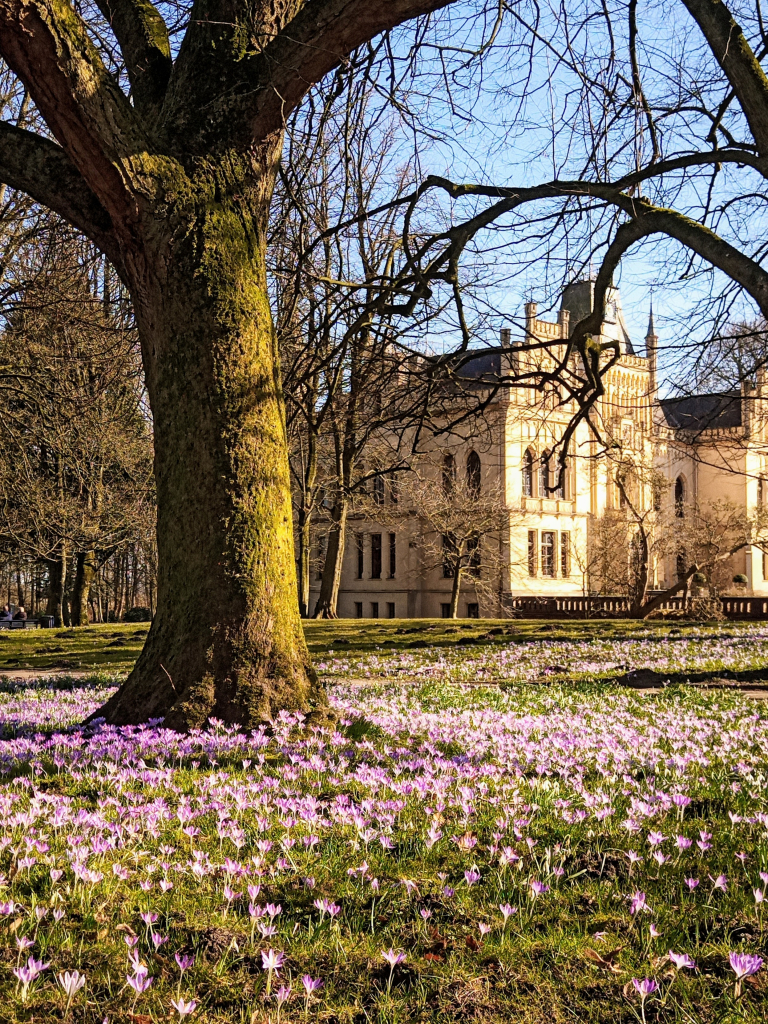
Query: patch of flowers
x=439, y=845
x=702, y=650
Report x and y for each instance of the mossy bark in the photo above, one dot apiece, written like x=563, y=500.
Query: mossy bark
x=226, y=640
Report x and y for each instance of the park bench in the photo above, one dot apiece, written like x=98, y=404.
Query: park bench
x=20, y=624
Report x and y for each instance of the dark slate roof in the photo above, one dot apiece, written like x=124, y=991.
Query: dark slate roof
x=703, y=412
x=487, y=364
x=483, y=368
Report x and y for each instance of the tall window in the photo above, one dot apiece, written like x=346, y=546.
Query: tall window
x=565, y=554
x=473, y=474
x=394, y=488
x=532, y=553
x=473, y=549
x=378, y=489
x=679, y=497
x=544, y=476
x=360, y=551
x=375, y=556
x=548, y=553
x=559, y=482
x=449, y=473
x=761, y=495
x=680, y=563
x=657, y=495
x=392, y=555
x=529, y=461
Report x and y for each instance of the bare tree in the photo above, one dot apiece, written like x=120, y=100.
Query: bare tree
x=462, y=522
x=75, y=450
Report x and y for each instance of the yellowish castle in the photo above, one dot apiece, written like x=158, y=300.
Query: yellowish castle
x=648, y=457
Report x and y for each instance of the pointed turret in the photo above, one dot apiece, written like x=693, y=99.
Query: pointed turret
x=651, y=350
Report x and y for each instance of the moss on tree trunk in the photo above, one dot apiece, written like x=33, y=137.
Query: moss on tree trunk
x=227, y=640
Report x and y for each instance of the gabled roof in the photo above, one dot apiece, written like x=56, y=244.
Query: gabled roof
x=697, y=413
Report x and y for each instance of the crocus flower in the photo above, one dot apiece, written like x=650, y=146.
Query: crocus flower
x=182, y=1007
x=744, y=965
x=272, y=961
x=139, y=982
x=681, y=960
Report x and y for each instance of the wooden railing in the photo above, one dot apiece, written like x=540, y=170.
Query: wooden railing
x=737, y=608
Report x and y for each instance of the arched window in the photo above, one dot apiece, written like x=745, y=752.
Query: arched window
x=560, y=480
x=449, y=474
x=529, y=485
x=544, y=476
x=473, y=474
x=679, y=497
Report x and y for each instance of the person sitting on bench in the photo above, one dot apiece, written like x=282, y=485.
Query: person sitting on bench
x=5, y=614
x=20, y=615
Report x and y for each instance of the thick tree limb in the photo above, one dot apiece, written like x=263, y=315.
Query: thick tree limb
x=250, y=98
x=43, y=170
x=737, y=59
x=143, y=39
x=47, y=45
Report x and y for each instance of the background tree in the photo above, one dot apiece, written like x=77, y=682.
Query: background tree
x=462, y=520
x=75, y=450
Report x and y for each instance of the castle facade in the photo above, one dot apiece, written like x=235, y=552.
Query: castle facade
x=648, y=456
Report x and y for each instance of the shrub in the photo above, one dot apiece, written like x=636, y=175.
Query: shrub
x=138, y=615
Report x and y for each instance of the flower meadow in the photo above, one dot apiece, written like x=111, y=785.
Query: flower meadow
x=440, y=852
x=696, y=650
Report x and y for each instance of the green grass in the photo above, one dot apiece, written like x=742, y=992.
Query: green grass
x=114, y=647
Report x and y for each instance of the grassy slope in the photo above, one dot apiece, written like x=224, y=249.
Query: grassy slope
x=115, y=647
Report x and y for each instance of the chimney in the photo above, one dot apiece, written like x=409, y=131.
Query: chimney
x=651, y=352
x=530, y=319
x=506, y=337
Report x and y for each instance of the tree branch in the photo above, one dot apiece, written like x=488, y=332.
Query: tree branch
x=143, y=39
x=250, y=97
x=737, y=59
x=47, y=46
x=42, y=169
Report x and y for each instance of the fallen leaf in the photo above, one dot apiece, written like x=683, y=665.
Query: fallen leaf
x=472, y=943
x=434, y=958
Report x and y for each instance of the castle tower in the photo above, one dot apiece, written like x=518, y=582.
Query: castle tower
x=651, y=351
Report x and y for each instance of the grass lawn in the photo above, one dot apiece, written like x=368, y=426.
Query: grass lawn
x=113, y=648
x=526, y=848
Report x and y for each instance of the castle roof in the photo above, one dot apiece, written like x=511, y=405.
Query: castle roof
x=697, y=413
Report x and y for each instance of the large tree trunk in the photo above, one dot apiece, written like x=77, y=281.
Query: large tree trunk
x=328, y=599
x=226, y=640
x=85, y=573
